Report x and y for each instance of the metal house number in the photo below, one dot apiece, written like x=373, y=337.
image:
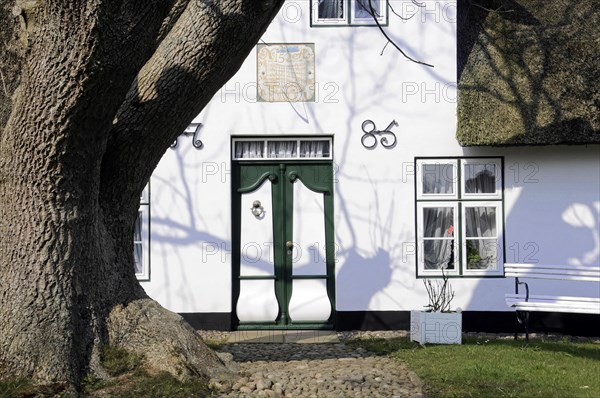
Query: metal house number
x=369, y=138
x=193, y=130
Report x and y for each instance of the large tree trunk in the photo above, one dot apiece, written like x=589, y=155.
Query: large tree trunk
x=88, y=124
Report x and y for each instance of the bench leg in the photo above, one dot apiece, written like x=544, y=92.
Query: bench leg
x=527, y=328
x=523, y=319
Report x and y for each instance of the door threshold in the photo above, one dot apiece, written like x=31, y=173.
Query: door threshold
x=284, y=336
x=292, y=326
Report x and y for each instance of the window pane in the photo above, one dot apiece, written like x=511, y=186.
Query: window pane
x=249, y=149
x=439, y=254
x=331, y=9
x=481, y=222
x=137, y=245
x=137, y=258
x=144, y=194
x=480, y=178
x=438, y=178
x=137, y=231
x=314, y=149
x=362, y=8
x=438, y=222
x=281, y=149
x=482, y=254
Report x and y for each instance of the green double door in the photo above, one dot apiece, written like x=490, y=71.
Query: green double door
x=283, y=257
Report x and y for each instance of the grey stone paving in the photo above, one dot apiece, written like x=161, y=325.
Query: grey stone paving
x=312, y=366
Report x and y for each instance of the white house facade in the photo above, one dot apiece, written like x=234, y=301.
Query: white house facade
x=324, y=183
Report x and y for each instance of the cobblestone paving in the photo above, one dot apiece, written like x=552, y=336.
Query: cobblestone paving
x=315, y=371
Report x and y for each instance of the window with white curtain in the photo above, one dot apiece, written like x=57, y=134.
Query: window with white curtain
x=459, y=216
x=141, y=237
x=282, y=148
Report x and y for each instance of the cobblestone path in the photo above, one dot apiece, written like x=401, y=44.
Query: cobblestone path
x=316, y=371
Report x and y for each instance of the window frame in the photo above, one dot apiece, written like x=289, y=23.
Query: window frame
x=348, y=18
x=421, y=244
x=432, y=196
x=498, y=179
x=499, y=234
x=316, y=22
x=144, y=213
x=460, y=200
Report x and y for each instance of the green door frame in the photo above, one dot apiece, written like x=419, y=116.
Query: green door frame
x=316, y=176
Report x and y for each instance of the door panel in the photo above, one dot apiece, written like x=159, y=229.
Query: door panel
x=256, y=232
x=257, y=301
x=309, y=301
x=308, y=232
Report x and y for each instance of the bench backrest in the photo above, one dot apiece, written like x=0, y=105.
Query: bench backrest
x=557, y=272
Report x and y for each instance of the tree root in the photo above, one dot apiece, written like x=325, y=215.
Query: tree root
x=166, y=341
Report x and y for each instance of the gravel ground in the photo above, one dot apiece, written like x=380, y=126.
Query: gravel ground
x=279, y=370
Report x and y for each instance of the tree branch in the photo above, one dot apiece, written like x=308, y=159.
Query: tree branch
x=398, y=15
x=178, y=8
x=202, y=50
x=390, y=41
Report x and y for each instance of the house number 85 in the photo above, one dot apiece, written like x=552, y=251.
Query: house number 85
x=369, y=139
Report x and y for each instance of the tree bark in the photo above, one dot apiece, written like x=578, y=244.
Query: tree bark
x=87, y=126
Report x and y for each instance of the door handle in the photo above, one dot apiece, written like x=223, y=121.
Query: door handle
x=290, y=246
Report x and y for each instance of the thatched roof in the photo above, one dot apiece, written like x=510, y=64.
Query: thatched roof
x=528, y=72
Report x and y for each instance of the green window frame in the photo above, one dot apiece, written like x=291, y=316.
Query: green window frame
x=459, y=213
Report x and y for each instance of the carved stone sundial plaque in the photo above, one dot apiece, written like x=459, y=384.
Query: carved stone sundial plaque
x=286, y=72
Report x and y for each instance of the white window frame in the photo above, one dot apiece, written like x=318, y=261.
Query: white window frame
x=144, y=213
x=421, y=238
x=266, y=140
x=316, y=21
x=421, y=164
x=498, y=239
x=348, y=18
x=460, y=200
x=498, y=178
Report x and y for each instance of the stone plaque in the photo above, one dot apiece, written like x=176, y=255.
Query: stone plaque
x=286, y=72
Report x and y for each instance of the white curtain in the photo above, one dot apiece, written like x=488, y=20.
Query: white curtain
x=314, y=149
x=331, y=9
x=438, y=222
x=249, y=149
x=481, y=223
x=480, y=178
x=281, y=149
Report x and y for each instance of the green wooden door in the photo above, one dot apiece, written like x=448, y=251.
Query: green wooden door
x=283, y=257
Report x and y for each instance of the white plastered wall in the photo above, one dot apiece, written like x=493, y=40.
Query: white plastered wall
x=374, y=189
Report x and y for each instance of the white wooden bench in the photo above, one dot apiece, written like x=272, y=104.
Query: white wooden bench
x=526, y=302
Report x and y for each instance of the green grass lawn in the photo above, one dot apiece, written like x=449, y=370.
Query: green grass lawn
x=499, y=367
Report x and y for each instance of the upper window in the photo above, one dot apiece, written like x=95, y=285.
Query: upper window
x=141, y=237
x=459, y=216
x=348, y=12
x=302, y=148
